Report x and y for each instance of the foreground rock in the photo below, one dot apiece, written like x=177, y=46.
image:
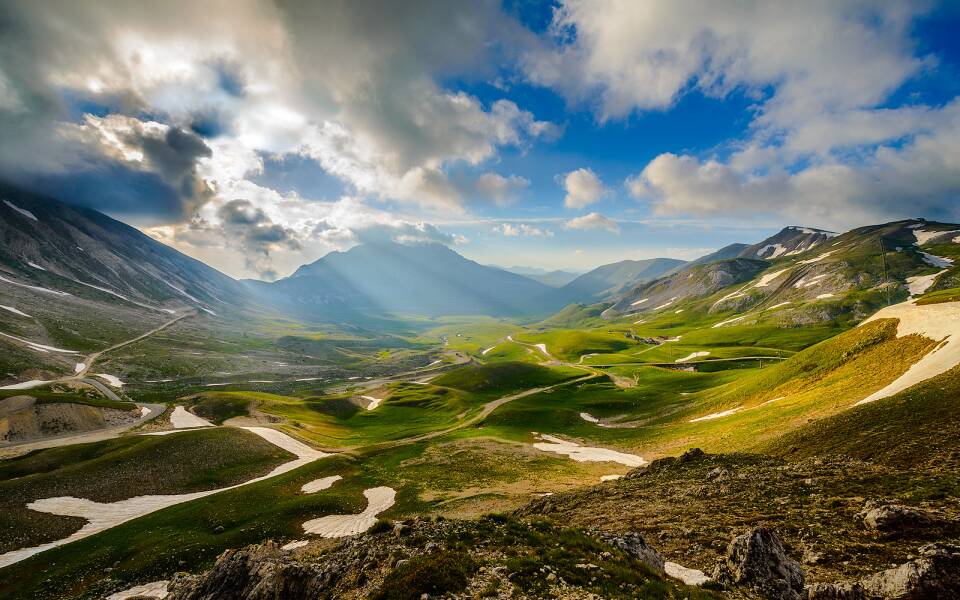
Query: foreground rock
x=934, y=575
x=896, y=519
x=496, y=557
x=757, y=560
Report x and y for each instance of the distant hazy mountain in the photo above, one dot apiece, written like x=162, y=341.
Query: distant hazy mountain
x=613, y=279
x=86, y=254
x=556, y=278
x=424, y=279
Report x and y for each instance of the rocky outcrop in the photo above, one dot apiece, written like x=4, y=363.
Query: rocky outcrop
x=934, y=575
x=758, y=561
x=896, y=519
x=634, y=545
x=22, y=418
x=256, y=572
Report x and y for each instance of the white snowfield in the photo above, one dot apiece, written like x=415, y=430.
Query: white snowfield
x=15, y=311
x=687, y=576
x=374, y=402
x=728, y=321
x=101, y=516
x=35, y=288
x=543, y=348
x=918, y=284
x=692, y=356
x=810, y=261
x=35, y=265
x=718, y=415
x=610, y=477
x=824, y=296
x=639, y=302
x=379, y=499
x=775, y=306
x=938, y=322
x=584, y=454
x=154, y=589
x=79, y=367
x=925, y=235
x=778, y=249
x=589, y=418
x=487, y=351
x=37, y=347
x=113, y=380
x=318, y=485
x=936, y=261
x=22, y=211
x=769, y=277
x=805, y=283
x=668, y=303
x=180, y=418
x=25, y=385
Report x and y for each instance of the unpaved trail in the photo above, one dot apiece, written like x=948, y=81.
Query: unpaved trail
x=91, y=358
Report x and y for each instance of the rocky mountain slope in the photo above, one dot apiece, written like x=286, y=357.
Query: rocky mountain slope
x=611, y=280
x=826, y=276
x=697, y=282
x=789, y=241
x=69, y=249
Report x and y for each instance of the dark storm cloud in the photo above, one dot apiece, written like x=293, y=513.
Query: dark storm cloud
x=252, y=229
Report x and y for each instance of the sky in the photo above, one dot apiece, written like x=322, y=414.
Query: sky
x=261, y=135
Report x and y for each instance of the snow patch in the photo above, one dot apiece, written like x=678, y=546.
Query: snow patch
x=101, y=516
x=180, y=418
x=79, y=367
x=824, y=296
x=25, y=385
x=692, y=356
x=294, y=545
x=938, y=322
x=111, y=379
x=15, y=311
x=154, y=589
x=925, y=235
x=379, y=499
x=610, y=477
x=35, y=288
x=769, y=277
x=777, y=306
x=778, y=249
x=936, y=261
x=810, y=261
x=639, y=302
x=22, y=211
x=38, y=347
x=919, y=284
x=318, y=485
x=728, y=321
x=35, y=265
x=718, y=415
x=584, y=454
x=687, y=576
x=589, y=418
x=374, y=402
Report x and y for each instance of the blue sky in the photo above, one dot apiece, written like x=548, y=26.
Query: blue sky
x=561, y=134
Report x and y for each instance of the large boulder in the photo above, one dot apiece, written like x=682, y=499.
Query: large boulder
x=757, y=560
x=634, y=545
x=258, y=572
x=896, y=519
x=934, y=575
